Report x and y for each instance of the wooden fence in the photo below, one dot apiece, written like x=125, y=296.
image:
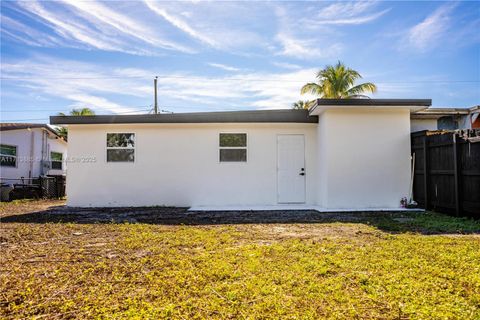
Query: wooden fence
x=447, y=171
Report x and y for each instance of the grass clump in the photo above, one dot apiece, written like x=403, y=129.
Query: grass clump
x=428, y=222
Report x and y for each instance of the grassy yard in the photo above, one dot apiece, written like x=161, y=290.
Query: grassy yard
x=351, y=266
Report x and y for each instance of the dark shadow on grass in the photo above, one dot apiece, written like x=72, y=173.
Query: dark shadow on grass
x=392, y=222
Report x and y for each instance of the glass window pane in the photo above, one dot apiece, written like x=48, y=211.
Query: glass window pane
x=120, y=140
x=8, y=150
x=233, y=155
x=56, y=156
x=233, y=139
x=57, y=165
x=447, y=123
x=8, y=161
x=120, y=155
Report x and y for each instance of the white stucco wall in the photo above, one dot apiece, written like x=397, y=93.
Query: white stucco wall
x=423, y=124
x=23, y=140
x=364, y=158
x=57, y=145
x=464, y=122
x=178, y=165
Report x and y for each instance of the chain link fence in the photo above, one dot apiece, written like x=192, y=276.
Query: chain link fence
x=44, y=187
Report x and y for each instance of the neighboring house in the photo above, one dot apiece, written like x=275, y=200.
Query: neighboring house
x=340, y=154
x=445, y=119
x=30, y=150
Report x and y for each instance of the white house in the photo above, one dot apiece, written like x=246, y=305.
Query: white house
x=340, y=154
x=30, y=150
x=445, y=119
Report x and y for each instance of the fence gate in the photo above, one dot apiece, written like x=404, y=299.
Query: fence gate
x=52, y=186
x=447, y=171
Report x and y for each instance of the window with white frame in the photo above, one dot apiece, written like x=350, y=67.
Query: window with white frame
x=8, y=155
x=233, y=147
x=56, y=160
x=120, y=147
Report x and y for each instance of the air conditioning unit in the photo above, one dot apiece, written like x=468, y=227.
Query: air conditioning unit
x=47, y=165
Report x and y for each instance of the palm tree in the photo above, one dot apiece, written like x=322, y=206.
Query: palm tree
x=338, y=82
x=62, y=131
x=79, y=112
x=301, y=104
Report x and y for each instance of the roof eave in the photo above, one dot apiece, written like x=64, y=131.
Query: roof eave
x=259, y=116
x=322, y=105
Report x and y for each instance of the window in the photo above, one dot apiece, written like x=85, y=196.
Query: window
x=447, y=123
x=8, y=155
x=56, y=160
x=233, y=147
x=120, y=147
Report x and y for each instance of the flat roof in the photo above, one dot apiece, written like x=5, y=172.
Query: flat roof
x=7, y=126
x=321, y=105
x=374, y=102
x=435, y=113
x=255, y=116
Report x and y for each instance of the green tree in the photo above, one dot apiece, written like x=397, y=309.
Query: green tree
x=338, y=82
x=301, y=104
x=62, y=131
x=79, y=112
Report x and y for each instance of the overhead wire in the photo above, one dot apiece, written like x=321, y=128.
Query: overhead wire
x=225, y=79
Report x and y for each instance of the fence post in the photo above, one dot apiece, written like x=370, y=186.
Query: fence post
x=425, y=171
x=456, y=174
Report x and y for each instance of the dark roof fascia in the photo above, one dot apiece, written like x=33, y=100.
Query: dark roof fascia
x=443, y=111
x=374, y=102
x=20, y=126
x=260, y=116
x=475, y=108
x=25, y=126
x=435, y=113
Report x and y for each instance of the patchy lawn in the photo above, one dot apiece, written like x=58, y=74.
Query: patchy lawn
x=166, y=263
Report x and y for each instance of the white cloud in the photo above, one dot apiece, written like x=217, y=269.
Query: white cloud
x=426, y=33
x=306, y=48
x=149, y=28
x=245, y=91
x=90, y=25
x=223, y=66
x=122, y=23
x=25, y=34
x=345, y=9
x=107, y=90
x=81, y=100
x=81, y=83
x=302, y=43
x=347, y=13
x=284, y=91
x=286, y=65
x=69, y=29
x=354, y=20
x=180, y=24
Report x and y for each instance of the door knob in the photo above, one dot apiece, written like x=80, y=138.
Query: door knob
x=302, y=173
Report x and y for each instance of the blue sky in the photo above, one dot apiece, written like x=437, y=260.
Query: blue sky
x=213, y=56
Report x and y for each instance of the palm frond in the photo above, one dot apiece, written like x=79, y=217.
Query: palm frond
x=338, y=82
x=358, y=96
x=312, y=88
x=300, y=104
x=361, y=88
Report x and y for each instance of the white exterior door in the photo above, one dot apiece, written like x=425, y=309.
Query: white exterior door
x=291, y=168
